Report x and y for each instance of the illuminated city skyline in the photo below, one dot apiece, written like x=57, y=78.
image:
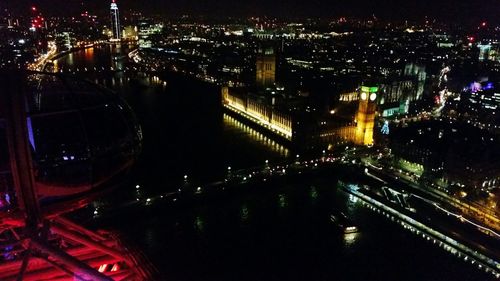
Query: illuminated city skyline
x=444, y=10
x=202, y=140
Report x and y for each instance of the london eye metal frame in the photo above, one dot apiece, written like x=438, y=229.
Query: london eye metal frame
x=48, y=246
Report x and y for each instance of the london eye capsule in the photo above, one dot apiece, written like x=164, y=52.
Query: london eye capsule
x=81, y=138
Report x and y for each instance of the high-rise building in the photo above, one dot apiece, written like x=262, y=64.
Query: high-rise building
x=147, y=28
x=115, y=21
x=418, y=73
x=489, y=52
x=365, y=117
x=38, y=30
x=266, y=68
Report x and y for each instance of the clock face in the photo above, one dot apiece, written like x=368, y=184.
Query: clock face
x=373, y=96
x=363, y=96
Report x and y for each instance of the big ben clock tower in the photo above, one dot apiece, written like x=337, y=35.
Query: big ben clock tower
x=365, y=117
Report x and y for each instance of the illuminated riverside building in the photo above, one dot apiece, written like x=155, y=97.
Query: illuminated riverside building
x=258, y=108
x=256, y=135
x=265, y=68
x=259, y=113
x=308, y=130
x=295, y=119
x=115, y=22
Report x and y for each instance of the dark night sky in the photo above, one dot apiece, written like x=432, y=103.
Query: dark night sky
x=460, y=10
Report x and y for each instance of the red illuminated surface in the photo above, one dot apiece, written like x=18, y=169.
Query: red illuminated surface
x=42, y=244
x=73, y=246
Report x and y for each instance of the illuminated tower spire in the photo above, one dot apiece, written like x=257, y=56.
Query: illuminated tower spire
x=365, y=117
x=266, y=68
x=115, y=21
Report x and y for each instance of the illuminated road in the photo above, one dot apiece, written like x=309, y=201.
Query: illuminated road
x=488, y=220
x=442, y=204
x=40, y=63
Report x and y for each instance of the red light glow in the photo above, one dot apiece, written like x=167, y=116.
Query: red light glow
x=102, y=268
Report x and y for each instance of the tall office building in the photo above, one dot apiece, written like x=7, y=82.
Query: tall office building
x=266, y=68
x=115, y=22
x=365, y=117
